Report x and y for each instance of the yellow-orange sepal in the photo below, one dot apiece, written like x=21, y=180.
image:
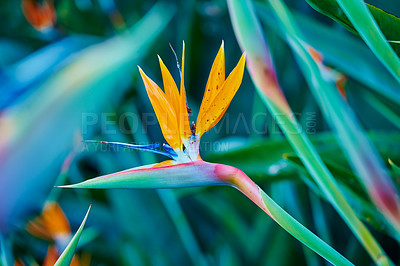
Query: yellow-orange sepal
x=165, y=112
x=170, y=88
x=50, y=224
x=218, y=97
x=214, y=83
x=184, y=124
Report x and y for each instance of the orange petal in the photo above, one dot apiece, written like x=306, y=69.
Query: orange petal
x=341, y=83
x=218, y=106
x=215, y=81
x=164, y=163
x=184, y=125
x=38, y=230
x=84, y=260
x=164, y=111
x=170, y=88
x=76, y=261
x=317, y=56
x=51, y=256
x=18, y=262
x=39, y=16
x=51, y=223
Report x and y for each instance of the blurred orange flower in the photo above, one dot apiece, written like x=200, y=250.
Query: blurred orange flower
x=40, y=16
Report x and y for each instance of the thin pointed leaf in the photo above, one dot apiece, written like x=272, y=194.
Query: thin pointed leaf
x=68, y=253
x=244, y=184
x=382, y=108
x=356, y=197
x=340, y=50
x=388, y=23
x=365, y=24
x=302, y=233
x=395, y=167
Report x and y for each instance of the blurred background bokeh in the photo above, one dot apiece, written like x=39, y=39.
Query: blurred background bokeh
x=69, y=73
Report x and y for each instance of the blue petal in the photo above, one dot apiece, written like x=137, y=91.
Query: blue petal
x=168, y=149
x=148, y=147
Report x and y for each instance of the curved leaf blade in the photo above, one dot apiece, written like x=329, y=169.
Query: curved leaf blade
x=360, y=152
x=153, y=177
x=362, y=21
x=301, y=233
x=356, y=197
x=340, y=50
x=68, y=253
x=388, y=23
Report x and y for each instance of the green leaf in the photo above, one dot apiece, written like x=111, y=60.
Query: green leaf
x=244, y=11
x=362, y=20
x=382, y=108
x=6, y=258
x=342, y=174
x=388, y=23
x=262, y=72
x=302, y=233
x=341, y=50
x=68, y=253
x=395, y=167
x=355, y=144
x=356, y=196
x=253, y=160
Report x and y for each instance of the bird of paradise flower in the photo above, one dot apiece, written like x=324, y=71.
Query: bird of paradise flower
x=186, y=168
x=183, y=139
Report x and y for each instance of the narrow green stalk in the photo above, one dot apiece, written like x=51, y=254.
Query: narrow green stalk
x=248, y=31
x=286, y=196
x=312, y=161
x=319, y=218
x=382, y=109
x=245, y=185
x=364, y=22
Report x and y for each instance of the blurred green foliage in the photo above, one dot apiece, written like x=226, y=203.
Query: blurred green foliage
x=144, y=227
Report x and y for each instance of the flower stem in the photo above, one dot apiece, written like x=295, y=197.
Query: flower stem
x=328, y=185
x=250, y=189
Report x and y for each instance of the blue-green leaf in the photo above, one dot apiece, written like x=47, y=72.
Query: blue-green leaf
x=68, y=253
